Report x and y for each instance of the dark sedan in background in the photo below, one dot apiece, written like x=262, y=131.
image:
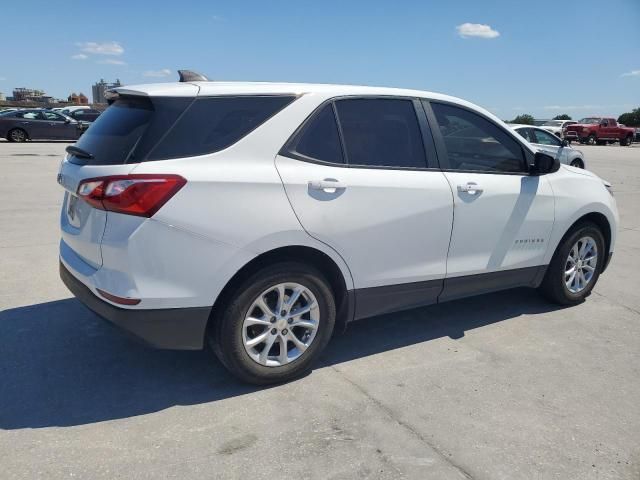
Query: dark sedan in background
x=38, y=124
x=85, y=115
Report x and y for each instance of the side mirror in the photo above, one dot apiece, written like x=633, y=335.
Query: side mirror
x=543, y=164
x=67, y=120
x=565, y=143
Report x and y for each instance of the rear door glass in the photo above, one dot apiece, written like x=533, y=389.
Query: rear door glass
x=319, y=139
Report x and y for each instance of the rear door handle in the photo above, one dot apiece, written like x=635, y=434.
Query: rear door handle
x=472, y=188
x=328, y=185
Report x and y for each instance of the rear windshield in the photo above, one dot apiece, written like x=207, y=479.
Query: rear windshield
x=139, y=129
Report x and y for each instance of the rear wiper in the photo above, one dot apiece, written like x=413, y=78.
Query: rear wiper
x=78, y=152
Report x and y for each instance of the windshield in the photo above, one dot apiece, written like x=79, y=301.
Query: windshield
x=553, y=123
x=591, y=120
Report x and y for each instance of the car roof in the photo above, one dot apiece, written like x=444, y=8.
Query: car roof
x=212, y=88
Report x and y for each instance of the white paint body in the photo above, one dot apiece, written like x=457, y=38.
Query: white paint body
x=564, y=153
x=387, y=227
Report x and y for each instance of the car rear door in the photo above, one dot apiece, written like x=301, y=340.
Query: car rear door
x=503, y=216
x=56, y=127
x=358, y=179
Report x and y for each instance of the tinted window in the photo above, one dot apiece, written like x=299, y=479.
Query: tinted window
x=527, y=134
x=320, y=139
x=214, y=123
x=475, y=143
x=129, y=128
x=381, y=132
x=545, y=138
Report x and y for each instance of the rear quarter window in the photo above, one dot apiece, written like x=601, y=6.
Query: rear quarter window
x=138, y=129
x=215, y=123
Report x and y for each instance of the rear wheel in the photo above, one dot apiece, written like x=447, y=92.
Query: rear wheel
x=17, y=135
x=575, y=266
x=275, y=324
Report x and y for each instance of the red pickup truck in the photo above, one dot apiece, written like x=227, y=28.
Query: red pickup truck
x=599, y=130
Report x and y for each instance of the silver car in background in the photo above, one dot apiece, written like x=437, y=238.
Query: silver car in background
x=551, y=144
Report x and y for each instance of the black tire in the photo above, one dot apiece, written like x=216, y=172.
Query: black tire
x=591, y=139
x=17, y=135
x=624, y=142
x=553, y=285
x=577, y=163
x=225, y=336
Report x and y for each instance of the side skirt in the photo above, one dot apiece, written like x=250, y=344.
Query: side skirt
x=394, y=298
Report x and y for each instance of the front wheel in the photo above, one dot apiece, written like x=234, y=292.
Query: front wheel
x=575, y=266
x=275, y=324
x=591, y=139
x=577, y=163
x=626, y=141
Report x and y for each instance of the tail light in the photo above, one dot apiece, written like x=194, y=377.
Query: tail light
x=142, y=194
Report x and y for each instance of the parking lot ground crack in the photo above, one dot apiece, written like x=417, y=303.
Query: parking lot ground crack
x=626, y=307
x=393, y=416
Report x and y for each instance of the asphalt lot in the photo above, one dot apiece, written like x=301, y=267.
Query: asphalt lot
x=504, y=386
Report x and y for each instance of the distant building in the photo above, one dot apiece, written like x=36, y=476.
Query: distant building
x=30, y=95
x=100, y=87
x=78, y=99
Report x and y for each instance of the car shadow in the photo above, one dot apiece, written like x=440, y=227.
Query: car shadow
x=62, y=366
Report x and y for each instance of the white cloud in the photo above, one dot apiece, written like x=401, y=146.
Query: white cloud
x=111, y=61
x=79, y=56
x=165, y=72
x=105, y=48
x=632, y=73
x=217, y=18
x=479, y=30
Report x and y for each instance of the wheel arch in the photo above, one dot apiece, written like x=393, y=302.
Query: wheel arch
x=345, y=302
x=601, y=221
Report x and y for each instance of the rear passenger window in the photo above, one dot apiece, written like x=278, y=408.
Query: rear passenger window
x=381, y=132
x=474, y=143
x=213, y=124
x=319, y=138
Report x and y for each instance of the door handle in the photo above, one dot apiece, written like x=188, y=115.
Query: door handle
x=472, y=188
x=328, y=185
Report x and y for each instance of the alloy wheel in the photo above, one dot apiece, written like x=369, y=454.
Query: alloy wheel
x=280, y=324
x=17, y=135
x=581, y=264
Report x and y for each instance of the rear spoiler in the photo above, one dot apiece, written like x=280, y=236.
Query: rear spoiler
x=186, y=76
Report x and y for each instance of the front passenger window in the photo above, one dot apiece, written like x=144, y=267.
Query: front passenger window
x=474, y=143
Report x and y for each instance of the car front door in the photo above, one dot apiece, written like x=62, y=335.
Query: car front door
x=503, y=216
x=361, y=176
x=550, y=144
x=58, y=128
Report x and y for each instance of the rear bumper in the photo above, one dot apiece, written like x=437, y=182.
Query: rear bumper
x=170, y=328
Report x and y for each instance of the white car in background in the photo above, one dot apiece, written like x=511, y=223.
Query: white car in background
x=557, y=127
x=548, y=143
x=256, y=217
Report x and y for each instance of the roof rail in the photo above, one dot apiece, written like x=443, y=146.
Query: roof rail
x=191, y=76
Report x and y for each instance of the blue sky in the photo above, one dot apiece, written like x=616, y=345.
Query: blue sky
x=542, y=57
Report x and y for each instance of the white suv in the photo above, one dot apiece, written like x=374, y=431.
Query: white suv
x=260, y=217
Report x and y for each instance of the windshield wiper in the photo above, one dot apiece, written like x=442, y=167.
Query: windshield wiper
x=78, y=152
